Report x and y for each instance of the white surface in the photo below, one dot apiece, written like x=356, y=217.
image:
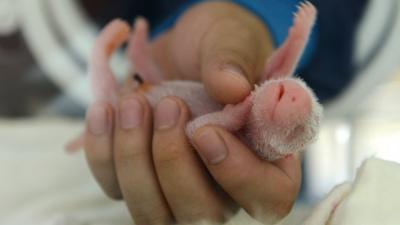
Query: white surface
x=8, y=17
x=41, y=184
x=381, y=69
x=45, y=46
x=344, y=143
x=50, y=46
x=373, y=198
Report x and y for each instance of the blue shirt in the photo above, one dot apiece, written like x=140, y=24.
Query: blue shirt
x=327, y=65
x=277, y=15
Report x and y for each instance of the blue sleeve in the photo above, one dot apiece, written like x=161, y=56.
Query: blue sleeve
x=277, y=15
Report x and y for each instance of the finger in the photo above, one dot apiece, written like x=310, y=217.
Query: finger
x=185, y=184
x=233, y=56
x=134, y=166
x=98, y=147
x=264, y=190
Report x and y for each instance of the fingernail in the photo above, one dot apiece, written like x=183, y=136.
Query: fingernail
x=130, y=113
x=210, y=146
x=98, y=123
x=167, y=114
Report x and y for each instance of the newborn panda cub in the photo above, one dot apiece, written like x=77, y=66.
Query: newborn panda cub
x=279, y=118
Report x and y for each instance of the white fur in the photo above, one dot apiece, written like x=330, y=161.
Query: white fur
x=270, y=141
x=191, y=92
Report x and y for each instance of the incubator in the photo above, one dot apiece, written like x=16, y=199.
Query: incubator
x=51, y=42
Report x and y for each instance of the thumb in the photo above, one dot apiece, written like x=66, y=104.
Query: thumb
x=232, y=59
x=267, y=192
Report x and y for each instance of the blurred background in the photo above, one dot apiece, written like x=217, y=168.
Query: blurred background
x=44, y=48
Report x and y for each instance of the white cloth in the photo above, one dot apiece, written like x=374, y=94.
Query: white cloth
x=372, y=199
x=42, y=185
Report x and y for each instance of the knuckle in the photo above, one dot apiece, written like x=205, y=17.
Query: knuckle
x=235, y=178
x=170, y=146
x=129, y=156
x=168, y=153
x=134, y=149
x=235, y=184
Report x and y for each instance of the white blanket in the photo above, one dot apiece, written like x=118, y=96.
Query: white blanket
x=41, y=185
x=373, y=198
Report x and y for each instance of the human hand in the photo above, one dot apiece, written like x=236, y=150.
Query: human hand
x=218, y=43
x=145, y=158
x=156, y=171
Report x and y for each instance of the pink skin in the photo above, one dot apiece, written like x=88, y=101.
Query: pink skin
x=289, y=100
x=288, y=121
x=103, y=84
x=102, y=79
x=284, y=123
x=279, y=118
x=285, y=59
x=139, y=53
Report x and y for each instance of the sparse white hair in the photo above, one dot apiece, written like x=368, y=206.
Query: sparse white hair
x=270, y=140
